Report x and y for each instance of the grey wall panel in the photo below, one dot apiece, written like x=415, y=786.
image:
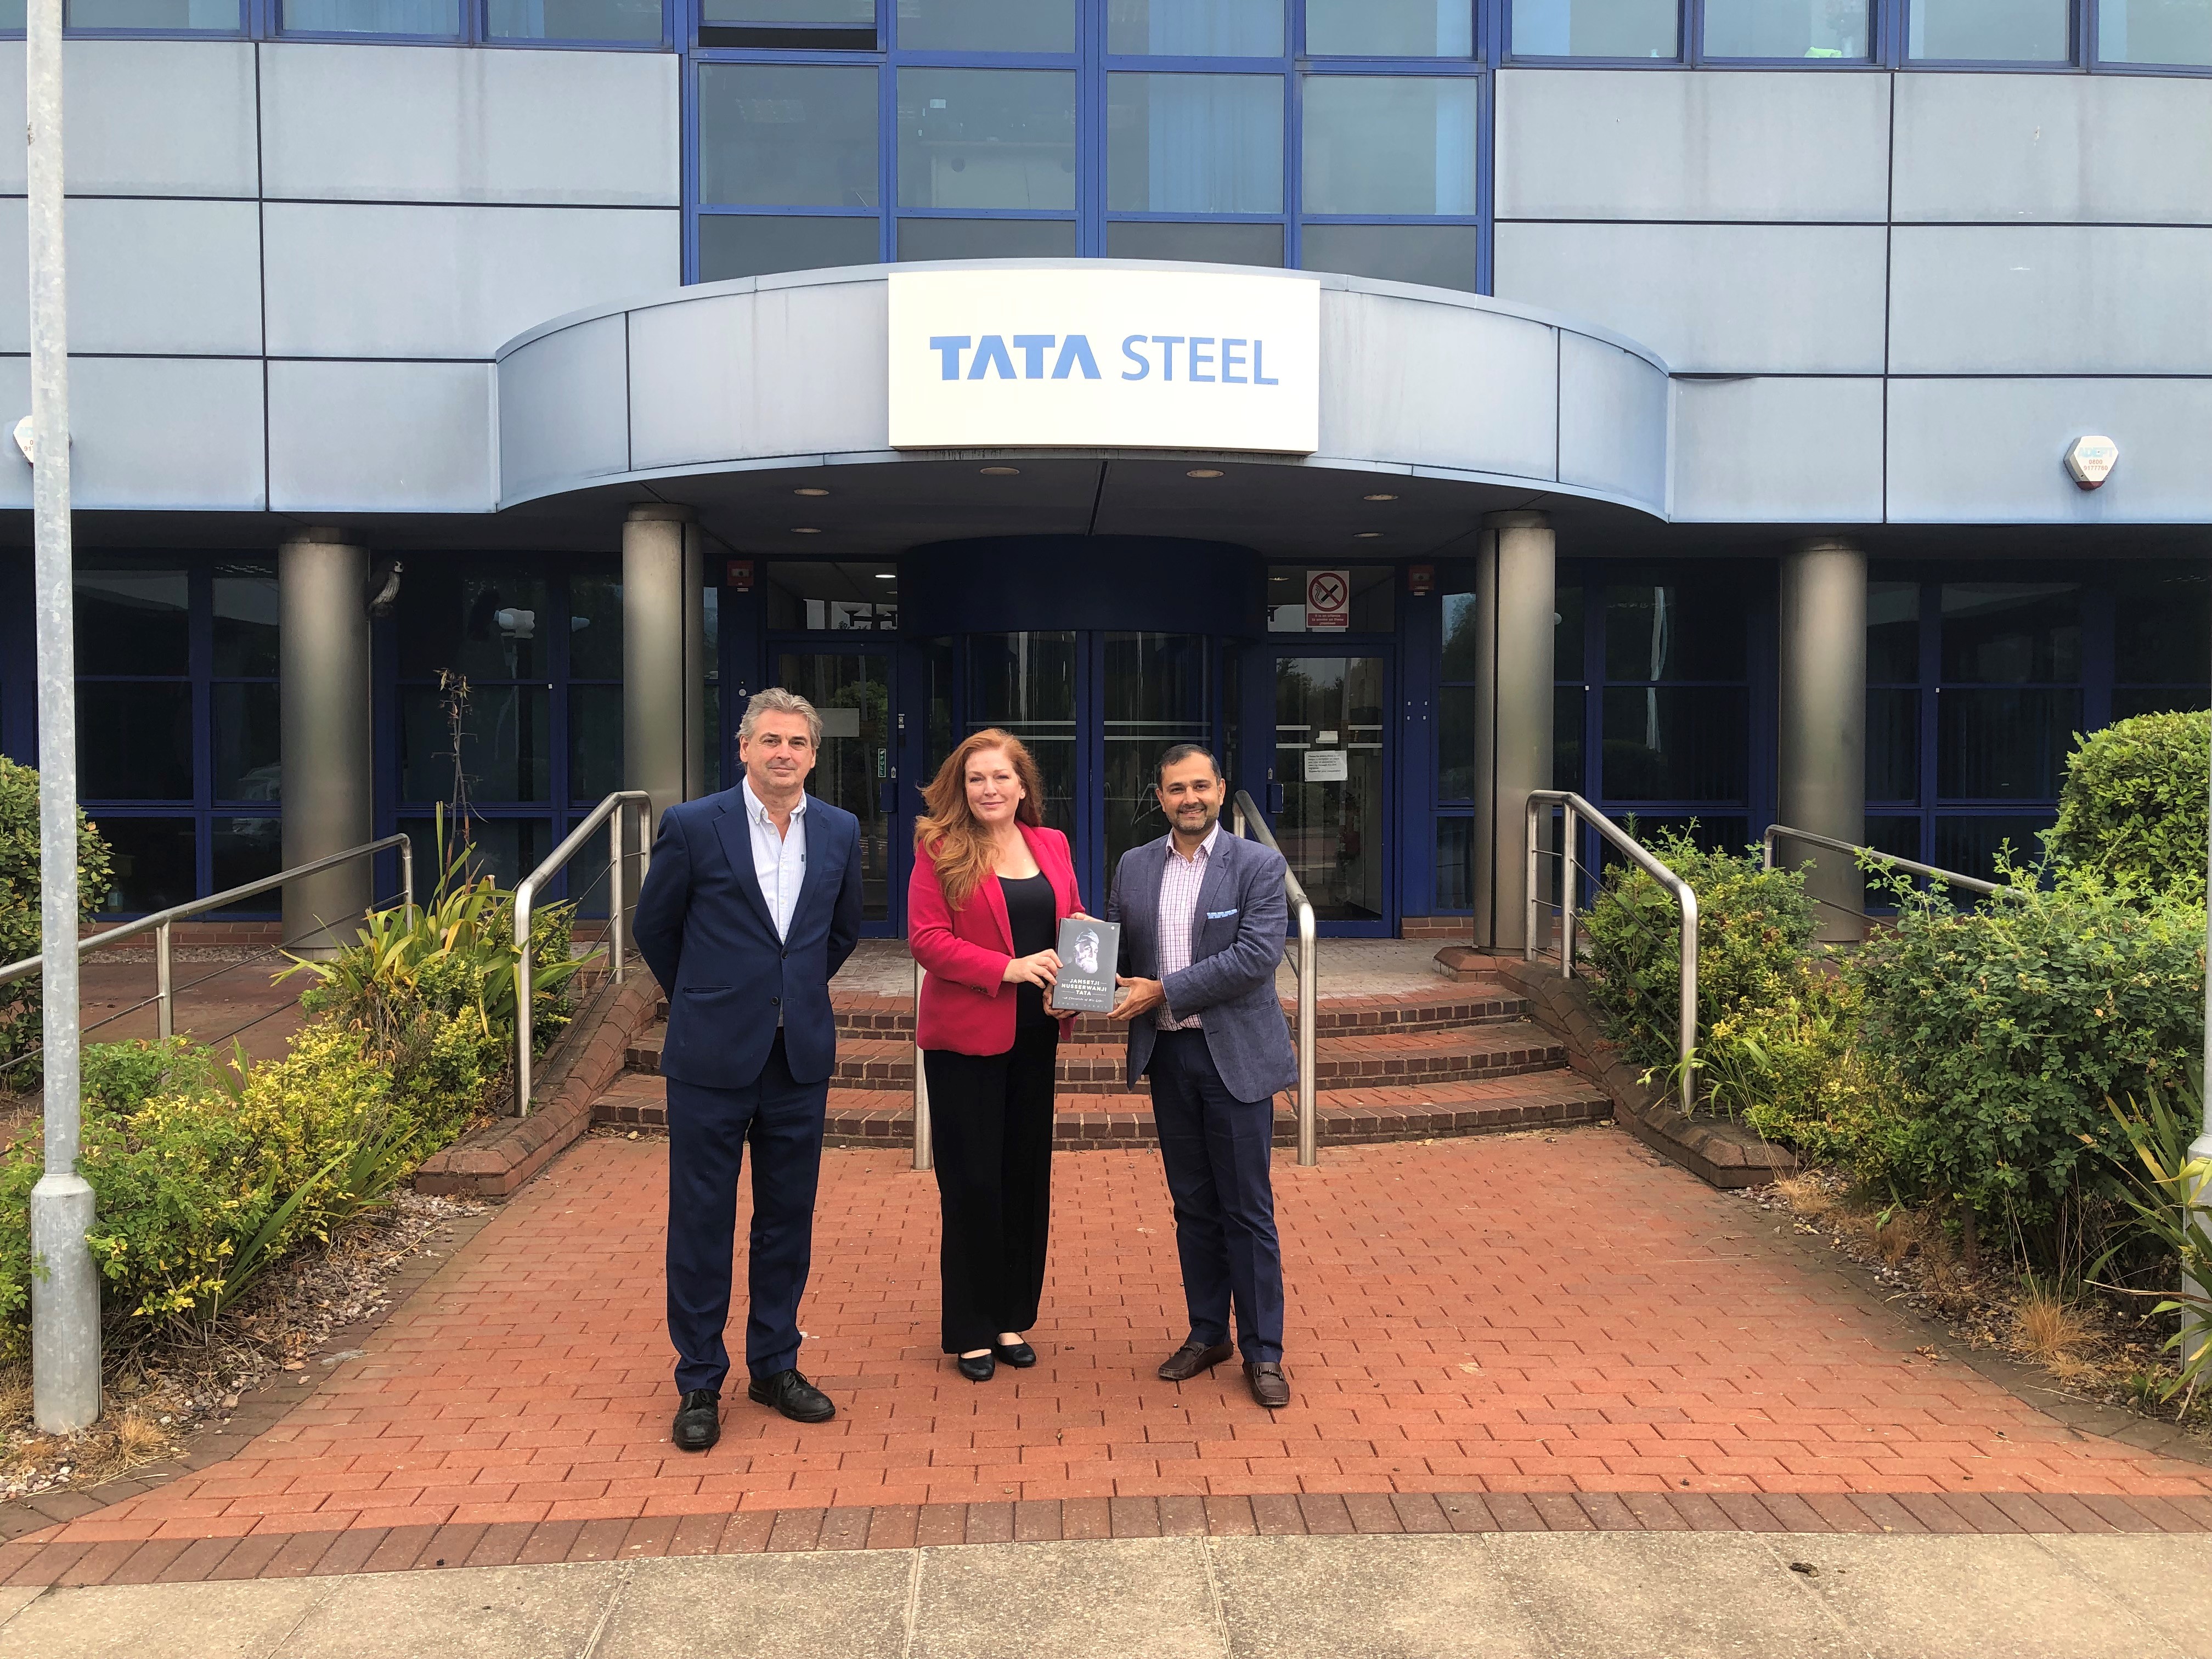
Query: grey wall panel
x=2051, y=299
x=1613, y=421
x=564, y=408
x=1728, y=299
x=380, y=438
x=1775, y=449
x=1993, y=451
x=2127, y=147
x=1432, y=383
x=176, y=278
x=427, y=123
x=173, y=432
x=348, y=280
x=1653, y=144
x=789, y=369
x=147, y=117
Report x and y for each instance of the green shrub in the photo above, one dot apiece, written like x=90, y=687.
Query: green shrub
x=19, y=929
x=2133, y=808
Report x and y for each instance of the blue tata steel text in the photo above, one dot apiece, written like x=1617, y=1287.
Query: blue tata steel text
x=992, y=358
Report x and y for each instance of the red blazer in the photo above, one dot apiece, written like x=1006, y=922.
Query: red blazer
x=967, y=1006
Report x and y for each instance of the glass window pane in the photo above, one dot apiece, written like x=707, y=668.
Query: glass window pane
x=134, y=741
x=986, y=138
x=1216, y=243
x=505, y=743
x=1787, y=28
x=1456, y=743
x=1390, y=144
x=1893, y=745
x=2011, y=632
x=849, y=12
x=1569, y=707
x=243, y=850
x=506, y=849
x=213, y=15
x=1893, y=633
x=2163, y=621
x=1461, y=640
x=1690, y=630
x=1154, y=695
x=1991, y=31
x=986, y=239
x=1899, y=837
x=1390, y=29
x=1440, y=255
x=1195, y=29
x=1567, y=631
x=1675, y=744
x=595, y=741
x=595, y=628
x=1025, y=683
x=1970, y=846
x=2003, y=745
x=746, y=245
x=483, y=622
x=429, y=17
x=133, y=622
x=574, y=20
x=248, y=741
x=246, y=624
x=987, y=25
x=1372, y=610
x=1195, y=143
x=1596, y=28
x=1455, y=863
x=2154, y=32
x=2129, y=700
x=788, y=135
x=813, y=598
x=154, y=865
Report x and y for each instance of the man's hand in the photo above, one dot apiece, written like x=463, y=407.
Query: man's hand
x=1145, y=995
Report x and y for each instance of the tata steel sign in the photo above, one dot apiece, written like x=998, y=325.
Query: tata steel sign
x=1104, y=359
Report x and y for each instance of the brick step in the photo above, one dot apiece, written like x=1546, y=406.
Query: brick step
x=1423, y=1057
x=874, y=1117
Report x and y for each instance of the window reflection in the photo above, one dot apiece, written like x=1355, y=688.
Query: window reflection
x=1390, y=29
x=1786, y=28
x=1595, y=28
x=423, y=17
x=1195, y=143
x=1990, y=31
x=2011, y=632
x=1195, y=29
x=788, y=135
x=986, y=138
x=573, y=20
x=987, y=25
x=755, y=245
x=2154, y=32
x=1396, y=144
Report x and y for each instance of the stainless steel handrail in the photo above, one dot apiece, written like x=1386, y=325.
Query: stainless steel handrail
x=1775, y=831
x=608, y=811
x=1574, y=808
x=1244, y=812
x=161, y=921
x=925, y=1145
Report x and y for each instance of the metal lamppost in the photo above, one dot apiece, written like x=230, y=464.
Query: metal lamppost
x=64, y=1287
x=2198, y=1327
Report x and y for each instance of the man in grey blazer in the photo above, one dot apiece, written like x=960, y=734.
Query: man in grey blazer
x=1203, y=918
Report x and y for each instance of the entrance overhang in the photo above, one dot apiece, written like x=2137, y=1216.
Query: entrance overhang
x=1436, y=406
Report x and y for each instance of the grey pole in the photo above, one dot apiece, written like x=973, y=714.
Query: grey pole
x=1515, y=588
x=661, y=753
x=327, y=742
x=64, y=1286
x=1821, y=739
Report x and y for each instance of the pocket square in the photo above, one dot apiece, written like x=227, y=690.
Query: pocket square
x=1220, y=915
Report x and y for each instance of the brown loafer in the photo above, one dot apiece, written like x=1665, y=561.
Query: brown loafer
x=1269, y=1386
x=1191, y=1358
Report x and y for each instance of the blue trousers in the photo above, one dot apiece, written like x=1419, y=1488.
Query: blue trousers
x=1216, y=1149
x=707, y=1130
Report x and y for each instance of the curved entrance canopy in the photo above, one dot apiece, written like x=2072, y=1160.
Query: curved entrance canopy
x=1471, y=405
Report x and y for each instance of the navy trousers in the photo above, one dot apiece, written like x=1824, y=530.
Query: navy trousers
x=1216, y=1149
x=707, y=1131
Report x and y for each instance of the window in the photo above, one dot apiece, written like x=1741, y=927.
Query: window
x=1195, y=29
x=1787, y=28
x=788, y=135
x=1371, y=609
x=1596, y=28
x=1195, y=143
x=573, y=20
x=1990, y=31
x=161, y=16
x=753, y=245
x=438, y=19
x=816, y=25
x=1390, y=29
x=814, y=599
x=986, y=25
x=1401, y=145
x=2162, y=643
x=1674, y=710
x=986, y=138
x=2154, y=32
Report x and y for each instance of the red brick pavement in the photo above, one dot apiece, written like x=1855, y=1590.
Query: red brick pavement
x=1548, y=1321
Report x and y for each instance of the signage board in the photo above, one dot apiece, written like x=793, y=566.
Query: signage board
x=1328, y=601
x=1327, y=766
x=1104, y=358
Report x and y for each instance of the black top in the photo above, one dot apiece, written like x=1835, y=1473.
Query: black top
x=1030, y=909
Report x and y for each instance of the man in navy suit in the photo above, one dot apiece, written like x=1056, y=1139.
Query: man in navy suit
x=750, y=903
x=1203, y=917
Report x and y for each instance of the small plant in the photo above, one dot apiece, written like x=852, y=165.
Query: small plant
x=2134, y=806
x=2049, y=1327
x=21, y=926
x=2166, y=1193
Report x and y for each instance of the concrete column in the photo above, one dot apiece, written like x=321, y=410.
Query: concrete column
x=330, y=796
x=1515, y=592
x=664, y=655
x=1821, y=733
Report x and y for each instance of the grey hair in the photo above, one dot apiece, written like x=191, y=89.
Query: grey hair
x=777, y=701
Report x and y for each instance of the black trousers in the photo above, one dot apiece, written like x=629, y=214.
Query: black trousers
x=990, y=1116
x=707, y=1130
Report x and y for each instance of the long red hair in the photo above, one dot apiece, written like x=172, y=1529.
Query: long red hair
x=951, y=836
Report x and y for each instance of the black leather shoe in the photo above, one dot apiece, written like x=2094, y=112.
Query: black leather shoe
x=980, y=1369
x=793, y=1395
x=1019, y=1355
x=1191, y=1358
x=1269, y=1386
x=698, y=1420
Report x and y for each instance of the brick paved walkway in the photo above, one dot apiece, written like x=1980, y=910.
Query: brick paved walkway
x=1523, y=1315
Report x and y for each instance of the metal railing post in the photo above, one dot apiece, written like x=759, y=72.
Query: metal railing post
x=1570, y=832
x=523, y=995
x=1529, y=927
x=165, y=996
x=1687, y=1038
x=407, y=877
x=925, y=1149
x=615, y=895
x=1309, y=1108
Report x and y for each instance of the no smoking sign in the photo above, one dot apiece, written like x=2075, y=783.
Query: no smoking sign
x=1328, y=601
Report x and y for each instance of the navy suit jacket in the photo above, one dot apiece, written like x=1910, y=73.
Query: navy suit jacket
x=1236, y=942
x=704, y=929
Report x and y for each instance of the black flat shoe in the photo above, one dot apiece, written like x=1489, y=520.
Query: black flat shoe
x=1019, y=1355
x=793, y=1395
x=980, y=1369
x=698, y=1420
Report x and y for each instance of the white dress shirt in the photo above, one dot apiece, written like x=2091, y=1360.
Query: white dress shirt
x=779, y=861
x=1179, y=885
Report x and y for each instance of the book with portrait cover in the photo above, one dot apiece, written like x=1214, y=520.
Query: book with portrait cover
x=1088, y=952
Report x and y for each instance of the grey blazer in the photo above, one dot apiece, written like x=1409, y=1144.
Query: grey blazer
x=1236, y=941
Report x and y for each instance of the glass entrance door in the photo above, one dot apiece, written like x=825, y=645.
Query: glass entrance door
x=851, y=689
x=1330, y=784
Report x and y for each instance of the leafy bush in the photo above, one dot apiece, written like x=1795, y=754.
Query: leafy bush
x=20, y=931
x=2133, y=808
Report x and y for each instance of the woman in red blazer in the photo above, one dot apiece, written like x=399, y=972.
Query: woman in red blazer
x=991, y=886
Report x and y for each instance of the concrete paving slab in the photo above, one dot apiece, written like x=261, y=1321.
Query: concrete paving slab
x=1379, y=1597
x=2151, y=1576
x=1088, y=1601
x=509, y=1613
x=762, y=1606
x=242, y=1619
x=14, y=1598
